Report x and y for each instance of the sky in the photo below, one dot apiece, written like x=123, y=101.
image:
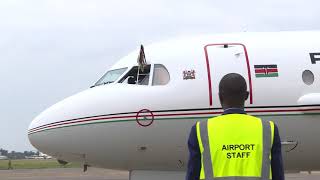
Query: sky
x=51, y=49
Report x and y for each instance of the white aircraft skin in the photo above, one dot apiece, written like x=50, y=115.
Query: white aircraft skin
x=99, y=126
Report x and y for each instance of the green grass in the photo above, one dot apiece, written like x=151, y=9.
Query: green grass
x=35, y=164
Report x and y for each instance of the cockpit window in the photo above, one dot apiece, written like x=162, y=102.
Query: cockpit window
x=161, y=75
x=110, y=76
x=137, y=75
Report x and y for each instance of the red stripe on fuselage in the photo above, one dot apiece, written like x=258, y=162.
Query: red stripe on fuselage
x=43, y=127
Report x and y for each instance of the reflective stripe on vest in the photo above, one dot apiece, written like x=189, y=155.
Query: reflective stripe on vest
x=235, y=147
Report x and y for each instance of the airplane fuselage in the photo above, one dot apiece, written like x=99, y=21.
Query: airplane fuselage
x=146, y=126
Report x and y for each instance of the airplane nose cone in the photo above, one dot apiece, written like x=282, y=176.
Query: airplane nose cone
x=37, y=134
x=50, y=132
x=34, y=140
x=41, y=130
x=54, y=129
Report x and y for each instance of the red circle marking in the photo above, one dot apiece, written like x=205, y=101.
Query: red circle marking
x=144, y=116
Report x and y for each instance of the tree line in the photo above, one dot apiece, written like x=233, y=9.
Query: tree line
x=18, y=155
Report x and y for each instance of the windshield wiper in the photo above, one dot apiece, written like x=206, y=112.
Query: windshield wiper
x=104, y=83
x=108, y=82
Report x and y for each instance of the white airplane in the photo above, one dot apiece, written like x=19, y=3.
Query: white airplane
x=137, y=117
x=3, y=157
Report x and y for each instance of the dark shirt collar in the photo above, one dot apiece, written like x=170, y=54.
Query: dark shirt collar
x=234, y=111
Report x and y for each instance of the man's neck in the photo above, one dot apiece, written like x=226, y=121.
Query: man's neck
x=225, y=109
x=234, y=111
x=232, y=107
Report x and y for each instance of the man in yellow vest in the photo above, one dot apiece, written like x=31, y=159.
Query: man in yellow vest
x=234, y=146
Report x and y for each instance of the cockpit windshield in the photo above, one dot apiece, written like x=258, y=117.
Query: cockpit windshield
x=110, y=76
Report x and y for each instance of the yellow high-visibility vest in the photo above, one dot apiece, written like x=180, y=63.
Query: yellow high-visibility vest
x=235, y=146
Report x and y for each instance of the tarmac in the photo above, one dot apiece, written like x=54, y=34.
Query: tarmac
x=98, y=174
x=63, y=174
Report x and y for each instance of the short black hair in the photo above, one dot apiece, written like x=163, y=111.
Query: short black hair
x=233, y=87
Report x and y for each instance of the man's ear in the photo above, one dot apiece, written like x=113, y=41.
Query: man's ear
x=246, y=96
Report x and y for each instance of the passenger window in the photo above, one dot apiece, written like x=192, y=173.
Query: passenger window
x=308, y=77
x=137, y=75
x=161, y=75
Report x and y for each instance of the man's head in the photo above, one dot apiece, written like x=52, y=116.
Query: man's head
x=233, y=91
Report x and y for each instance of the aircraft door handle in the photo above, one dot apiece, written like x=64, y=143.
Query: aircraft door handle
x=288, y=145
x=288, y=142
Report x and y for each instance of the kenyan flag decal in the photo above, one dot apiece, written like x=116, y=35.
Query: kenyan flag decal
x=266, y=70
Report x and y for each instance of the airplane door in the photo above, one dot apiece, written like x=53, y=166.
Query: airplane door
x=223, y=59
